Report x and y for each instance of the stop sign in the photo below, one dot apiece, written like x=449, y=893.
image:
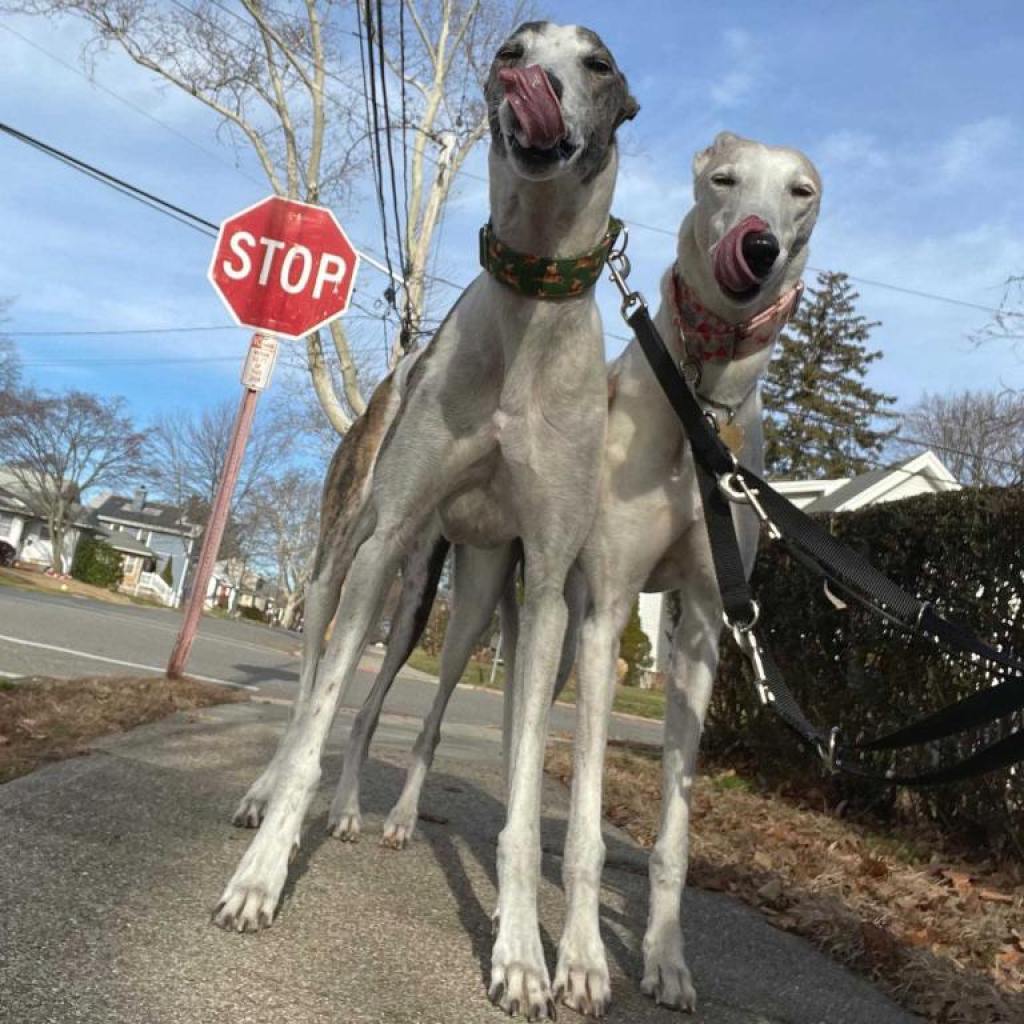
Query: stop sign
x=283, y=267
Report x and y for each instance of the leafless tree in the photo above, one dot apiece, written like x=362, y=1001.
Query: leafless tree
x=287, y=82
x=59, y=446
x=285, y=522
x=188, y=452
x=978, y=434
x=10, y=364
x=1007, y=324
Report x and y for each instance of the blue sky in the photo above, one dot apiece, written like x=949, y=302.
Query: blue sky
x=911, y=111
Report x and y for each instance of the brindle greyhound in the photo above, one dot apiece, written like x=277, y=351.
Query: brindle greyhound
x=500, y=431
x=735, y=281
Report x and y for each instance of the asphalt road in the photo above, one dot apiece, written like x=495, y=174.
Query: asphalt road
x=49, y=635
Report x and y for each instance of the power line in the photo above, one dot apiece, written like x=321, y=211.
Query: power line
x=154, y=202
x=128, y=103
x=813, y=417
x=169, y=209
x=119, y=331
x=405, y=336
x=918, y=293
x=869, y=282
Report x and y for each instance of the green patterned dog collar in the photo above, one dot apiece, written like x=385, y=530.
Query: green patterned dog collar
x=545, y=277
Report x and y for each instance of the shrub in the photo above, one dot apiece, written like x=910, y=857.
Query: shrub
x=964, y=550
x=252, y=613
x=167, y=572
x=96, y=562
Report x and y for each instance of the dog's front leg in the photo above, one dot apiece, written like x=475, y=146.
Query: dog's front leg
x=251, y=898
x=519, y=976
x=581, y=978
x=695, y=646
x=321, y=602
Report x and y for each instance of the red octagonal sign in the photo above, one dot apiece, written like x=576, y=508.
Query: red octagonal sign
x=284, y=267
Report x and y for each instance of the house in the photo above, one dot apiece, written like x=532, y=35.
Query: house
x=28, y=533
x=233, y=586
x=149, y=535
x=923, y=474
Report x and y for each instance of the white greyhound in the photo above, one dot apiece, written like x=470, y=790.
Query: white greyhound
x=735, y=282
x=500, y=431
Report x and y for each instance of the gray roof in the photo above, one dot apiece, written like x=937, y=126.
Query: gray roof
x=10, y=500
x=154, y=515
x=121, y=541
x=841, y=495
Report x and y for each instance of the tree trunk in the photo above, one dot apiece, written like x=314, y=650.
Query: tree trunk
x=291, y=608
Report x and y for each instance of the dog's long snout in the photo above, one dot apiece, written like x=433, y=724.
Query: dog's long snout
x=761, y=250
x=534, y=95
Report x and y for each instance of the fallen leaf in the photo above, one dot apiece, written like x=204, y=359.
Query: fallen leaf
x=960, y=880
x=873, y=867
x=992, y=896
x=1009, y=956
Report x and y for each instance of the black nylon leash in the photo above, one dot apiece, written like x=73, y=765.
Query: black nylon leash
x=723, y=481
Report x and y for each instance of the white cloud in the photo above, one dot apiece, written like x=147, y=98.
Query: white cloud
x=744, y=58
x=845, y=147
x=968, y=148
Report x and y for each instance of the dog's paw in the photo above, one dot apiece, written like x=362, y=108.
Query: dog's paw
x=666, y=977
x=583, y=983
x=250, y=900
x=249, y=813
x=253, y=806
x=519, y=979
x=346, y=827
x=245, y=908
x=398, y=830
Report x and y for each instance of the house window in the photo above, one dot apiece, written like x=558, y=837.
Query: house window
x=6, y=524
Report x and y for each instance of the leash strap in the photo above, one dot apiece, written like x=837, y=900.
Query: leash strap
x=546, y=277
x=817, y=549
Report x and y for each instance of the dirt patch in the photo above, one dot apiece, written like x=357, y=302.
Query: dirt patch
x=944, y=937
x=43, y=720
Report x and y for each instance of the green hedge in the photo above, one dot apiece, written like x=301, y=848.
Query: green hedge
x=965, y=551
x=96, y=562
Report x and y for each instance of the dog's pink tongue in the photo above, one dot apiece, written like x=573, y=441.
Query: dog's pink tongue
x=535, y=105
x=731, y=269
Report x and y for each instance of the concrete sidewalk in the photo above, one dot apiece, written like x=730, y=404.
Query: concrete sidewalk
x=111, y=864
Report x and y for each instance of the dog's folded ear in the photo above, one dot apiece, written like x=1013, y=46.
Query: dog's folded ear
x=722, y=141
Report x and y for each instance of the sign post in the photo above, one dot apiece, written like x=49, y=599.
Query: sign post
x=282, y=268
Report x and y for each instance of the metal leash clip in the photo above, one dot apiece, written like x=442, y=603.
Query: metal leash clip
x=747, y=642
x=830, y=753
x=737, y=490
x=619, y=269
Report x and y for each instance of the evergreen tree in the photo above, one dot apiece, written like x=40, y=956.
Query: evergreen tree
x=822, y=419
x=634, y=648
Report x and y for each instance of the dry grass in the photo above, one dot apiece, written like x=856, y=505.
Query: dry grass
x=31, y=579
x=43, y=720
x=945, y=938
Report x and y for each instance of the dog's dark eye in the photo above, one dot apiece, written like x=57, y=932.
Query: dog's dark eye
x=598, y=65
x=803, y=191
x=724, y=179
x=511, y=52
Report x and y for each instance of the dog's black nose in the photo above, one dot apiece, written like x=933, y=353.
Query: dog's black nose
x=761, y=250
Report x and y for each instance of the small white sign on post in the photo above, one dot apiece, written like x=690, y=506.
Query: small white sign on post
x=259, y=362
